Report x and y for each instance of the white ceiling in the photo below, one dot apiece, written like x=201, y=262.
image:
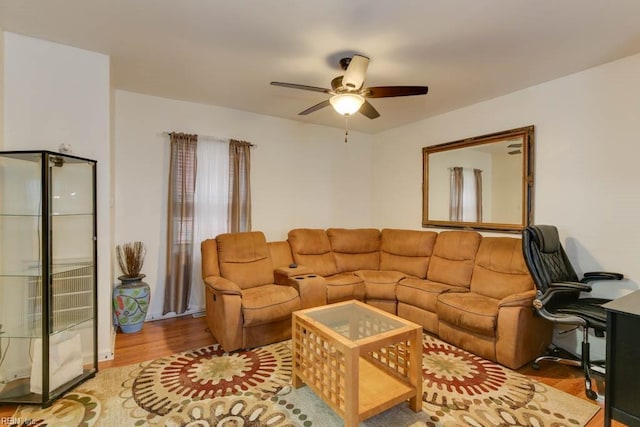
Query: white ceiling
x=227, y=52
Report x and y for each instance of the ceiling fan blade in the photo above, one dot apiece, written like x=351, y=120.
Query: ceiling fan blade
x=336, y=83
x=391, y=91
x=303, y=87
x=356, y=72
x=368, y=110
x=316, y=107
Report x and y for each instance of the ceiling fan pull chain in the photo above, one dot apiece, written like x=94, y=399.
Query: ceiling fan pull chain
x=346, y=127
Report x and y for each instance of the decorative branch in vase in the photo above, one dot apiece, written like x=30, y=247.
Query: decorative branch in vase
x=131, y=258
x=131, y=296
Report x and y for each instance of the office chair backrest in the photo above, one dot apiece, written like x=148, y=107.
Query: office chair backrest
x=545, y=257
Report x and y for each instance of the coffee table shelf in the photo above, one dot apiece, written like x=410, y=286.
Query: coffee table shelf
x=379, y=391
x=360, y=360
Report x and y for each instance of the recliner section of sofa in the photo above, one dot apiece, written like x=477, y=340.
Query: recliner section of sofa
x=449, y=270
x=245, y=307
x=473, y=291
x=495, y=318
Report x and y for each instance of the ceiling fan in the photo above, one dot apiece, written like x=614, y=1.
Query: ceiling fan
x=349, y=95
x=517, y=148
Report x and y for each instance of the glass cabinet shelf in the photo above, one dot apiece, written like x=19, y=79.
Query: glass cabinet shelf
x=35, y=271
x=48, y=284
x=28, y=333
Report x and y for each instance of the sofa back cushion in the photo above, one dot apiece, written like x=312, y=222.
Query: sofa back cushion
x=355, y=249
x=244, y=258
x=407, y=251
x=280, y=253
x=499, y=268
x=311, y=248
x=453, y=257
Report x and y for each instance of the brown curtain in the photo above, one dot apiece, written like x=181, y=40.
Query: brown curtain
x=478, y=181
x=455, y=191
x=239, y=186
x=182, y=185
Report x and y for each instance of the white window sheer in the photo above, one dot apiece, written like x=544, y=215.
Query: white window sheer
x=211, y=206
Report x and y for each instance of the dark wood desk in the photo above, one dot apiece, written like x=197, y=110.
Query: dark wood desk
x=622, y=384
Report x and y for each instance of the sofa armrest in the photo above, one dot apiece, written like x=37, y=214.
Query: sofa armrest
x=521, y=299
x=222, y=285
x=312, y=289
x=224, y=317
x=281, y=274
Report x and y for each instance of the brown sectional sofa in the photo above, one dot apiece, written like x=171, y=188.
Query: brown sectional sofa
x=472, y=291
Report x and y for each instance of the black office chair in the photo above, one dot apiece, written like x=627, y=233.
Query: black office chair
x=558, y=293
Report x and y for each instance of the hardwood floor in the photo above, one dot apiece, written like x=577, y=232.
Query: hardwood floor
x=165, y=337
x=158, y=339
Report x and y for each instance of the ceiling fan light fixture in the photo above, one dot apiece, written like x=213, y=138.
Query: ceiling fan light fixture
x=346, y=103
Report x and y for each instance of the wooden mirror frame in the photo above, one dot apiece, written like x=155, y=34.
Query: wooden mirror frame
x=526, y=135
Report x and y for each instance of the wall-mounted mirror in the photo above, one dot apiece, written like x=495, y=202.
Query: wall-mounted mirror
x=484, y=182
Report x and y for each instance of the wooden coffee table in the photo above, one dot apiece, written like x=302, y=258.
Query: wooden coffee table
x=360, y=360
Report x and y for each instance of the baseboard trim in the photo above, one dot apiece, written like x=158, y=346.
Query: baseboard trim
x=192, y=311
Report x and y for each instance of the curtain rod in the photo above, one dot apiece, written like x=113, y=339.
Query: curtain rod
x=212, y=138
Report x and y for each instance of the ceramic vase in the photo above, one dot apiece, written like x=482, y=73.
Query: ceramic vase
x=131, y=302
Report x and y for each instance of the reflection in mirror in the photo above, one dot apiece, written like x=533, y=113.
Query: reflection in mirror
x=484, y=182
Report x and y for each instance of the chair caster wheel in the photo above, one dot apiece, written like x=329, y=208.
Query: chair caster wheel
x=535, y=366
x=592, y=395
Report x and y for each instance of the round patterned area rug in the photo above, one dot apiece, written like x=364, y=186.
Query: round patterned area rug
x=209, y=387
x=164, y=384
x=475, y=392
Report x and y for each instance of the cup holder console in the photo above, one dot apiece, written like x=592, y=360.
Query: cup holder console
x=308, y=276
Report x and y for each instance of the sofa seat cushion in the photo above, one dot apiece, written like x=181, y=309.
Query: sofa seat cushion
x=268, y=303
x=380, y=284
x=423, y=293
x=344, y=286
x=469, y=311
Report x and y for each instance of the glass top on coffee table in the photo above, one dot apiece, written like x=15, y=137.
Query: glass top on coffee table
x=355, y=320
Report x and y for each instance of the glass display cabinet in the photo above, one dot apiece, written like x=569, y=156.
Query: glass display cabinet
x=48, y=322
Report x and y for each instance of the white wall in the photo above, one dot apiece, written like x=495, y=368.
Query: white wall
x=301, y=175
x=506, y=199
x=586, y=164
x=55, y=94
